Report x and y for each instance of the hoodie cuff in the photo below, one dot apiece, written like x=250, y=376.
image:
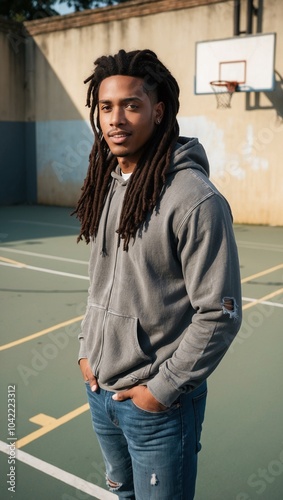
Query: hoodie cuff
x=163, y=390
x=82, y=353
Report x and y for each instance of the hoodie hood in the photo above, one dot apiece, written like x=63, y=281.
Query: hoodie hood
x=189, y=153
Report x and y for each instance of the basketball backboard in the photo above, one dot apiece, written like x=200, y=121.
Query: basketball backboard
x=248, y=60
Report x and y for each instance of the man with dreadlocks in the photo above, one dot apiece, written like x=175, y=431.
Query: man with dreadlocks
x=164, y=300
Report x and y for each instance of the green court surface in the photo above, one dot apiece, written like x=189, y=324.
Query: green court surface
x=44, y=283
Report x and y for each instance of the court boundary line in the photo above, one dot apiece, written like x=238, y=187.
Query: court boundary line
x=47, y=224
x=40, y=333
x=262, y=273
x=53, y=328
x=60, y=474
x=22, y=265
x=270, y=247
x=260, y=301
x=265, y=302
x=43, y=255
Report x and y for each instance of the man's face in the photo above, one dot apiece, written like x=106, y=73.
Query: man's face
x=128, y=116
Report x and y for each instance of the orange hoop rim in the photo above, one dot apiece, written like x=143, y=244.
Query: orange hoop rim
x=231, y=86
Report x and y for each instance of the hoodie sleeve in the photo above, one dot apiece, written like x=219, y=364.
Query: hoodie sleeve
x=209, y=259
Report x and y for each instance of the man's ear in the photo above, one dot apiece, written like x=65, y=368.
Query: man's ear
x=159, y=112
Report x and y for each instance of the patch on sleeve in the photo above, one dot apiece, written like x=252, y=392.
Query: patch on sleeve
x=230, y=307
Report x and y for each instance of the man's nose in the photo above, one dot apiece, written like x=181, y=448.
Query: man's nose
x=117, y=116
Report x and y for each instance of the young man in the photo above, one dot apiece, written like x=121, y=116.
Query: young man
x=164, y=300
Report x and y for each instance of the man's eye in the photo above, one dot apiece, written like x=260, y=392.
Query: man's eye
x=132, y=106
x=105, y=107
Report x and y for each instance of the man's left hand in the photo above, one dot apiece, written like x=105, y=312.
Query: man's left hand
x=141, y=397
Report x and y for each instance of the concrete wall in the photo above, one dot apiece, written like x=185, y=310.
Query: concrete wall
x=17, y=134
x=243, y=143
x=13, y=175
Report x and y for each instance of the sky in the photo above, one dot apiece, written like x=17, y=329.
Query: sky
x=62, y=8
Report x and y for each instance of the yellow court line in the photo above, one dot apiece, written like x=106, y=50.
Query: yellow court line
x=39, y=334
x=262, y=273
x=53, y=425
x=266, y=297
x=42, y=419
x=14, y=262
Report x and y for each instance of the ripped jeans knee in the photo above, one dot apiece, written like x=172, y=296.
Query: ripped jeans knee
x=112, y=485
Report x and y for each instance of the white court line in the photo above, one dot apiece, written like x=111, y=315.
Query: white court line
x=260, y=246
x=60, y=474
x=43, y=255
x=71, y=275
x=43, y=270
x=75, y=228
x=266, y=302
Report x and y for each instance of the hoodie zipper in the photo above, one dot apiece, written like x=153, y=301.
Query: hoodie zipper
x=99, y=357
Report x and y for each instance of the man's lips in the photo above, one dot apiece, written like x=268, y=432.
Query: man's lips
x=118, y=137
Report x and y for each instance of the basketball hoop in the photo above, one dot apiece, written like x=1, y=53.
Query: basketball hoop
x=223, y=91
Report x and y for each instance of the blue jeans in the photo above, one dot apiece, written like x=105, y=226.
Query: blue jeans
x=149, y=456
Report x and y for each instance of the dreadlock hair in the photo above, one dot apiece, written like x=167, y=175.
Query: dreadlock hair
x=148, y=177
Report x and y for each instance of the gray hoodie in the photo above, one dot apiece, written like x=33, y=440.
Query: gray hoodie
x=157, y=314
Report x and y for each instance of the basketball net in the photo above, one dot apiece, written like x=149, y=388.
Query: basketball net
x=223, y=91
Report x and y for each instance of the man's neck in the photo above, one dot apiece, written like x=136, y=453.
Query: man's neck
x=126, y=166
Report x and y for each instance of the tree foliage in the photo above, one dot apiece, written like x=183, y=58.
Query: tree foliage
x=21, y=10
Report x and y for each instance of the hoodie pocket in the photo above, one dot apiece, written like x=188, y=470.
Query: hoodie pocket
x=92, y=327
x=121, y=352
